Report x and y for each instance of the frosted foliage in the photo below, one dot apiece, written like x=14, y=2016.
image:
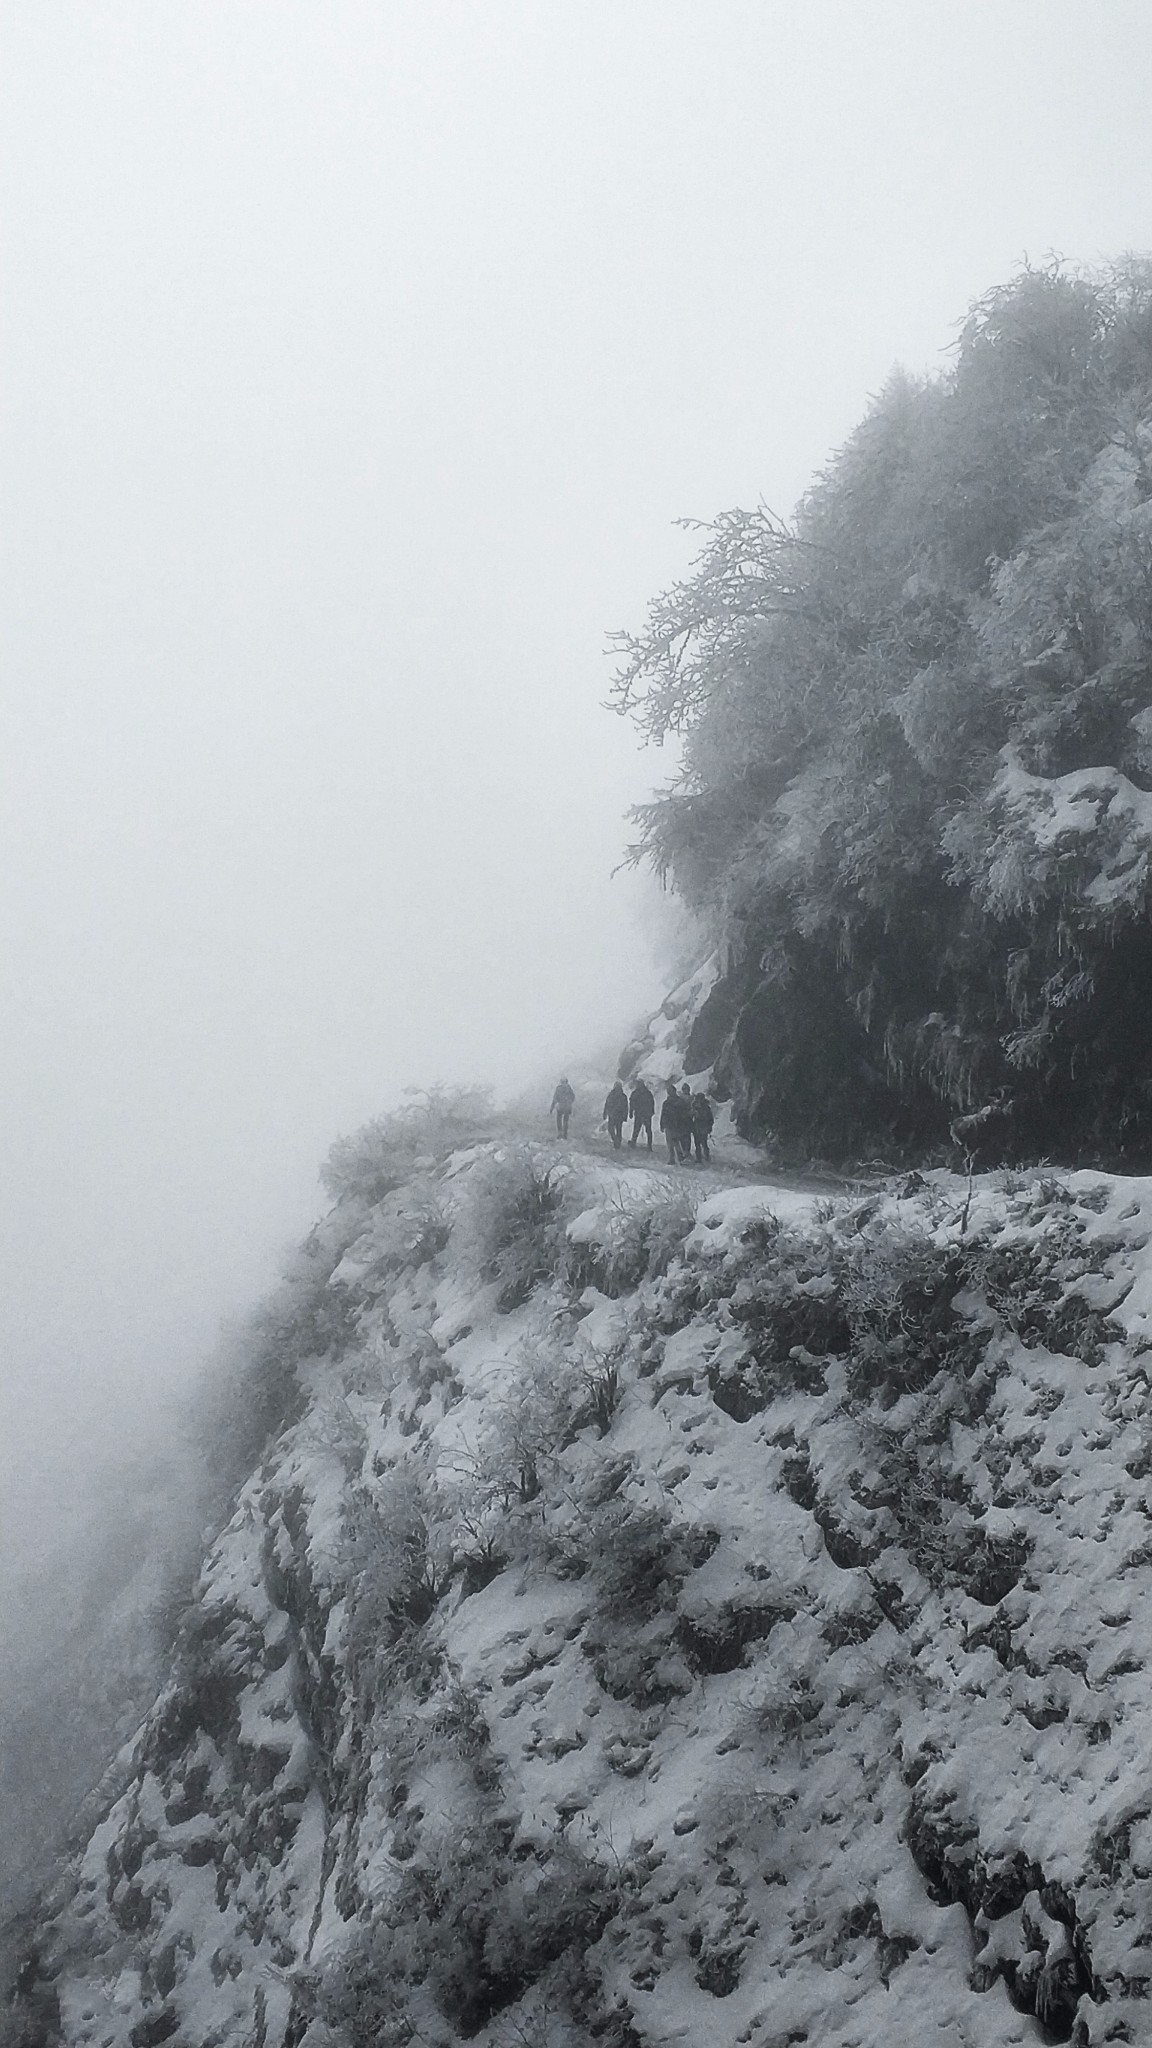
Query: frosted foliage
x=912, y=805
x=756, y=1652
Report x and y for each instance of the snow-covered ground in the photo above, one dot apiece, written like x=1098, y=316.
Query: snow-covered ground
x=739, y=1633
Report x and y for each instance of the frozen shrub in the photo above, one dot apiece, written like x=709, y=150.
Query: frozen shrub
x=637, y=1239
x=899, y=1292
x=850, y=1286
x=633, y=1549
x=334, y=1427
x=488, y=1490
x=517, y=1462
x=785, y=1288
x=529, y=1424
x=398, y=1561
x=468, y=1931
x=213, y=1655
x=785, y=1695
x=498, y=1479
x=408, y=1229
x=432, y=1123
x=598, y=1381
x=934, y=1512
x=1031, y=1286
x=629, y=1547
x=359, y=1995
x=517, y=1221
x=668, y=1220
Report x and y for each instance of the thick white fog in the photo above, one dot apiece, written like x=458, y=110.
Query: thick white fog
x=357, y=361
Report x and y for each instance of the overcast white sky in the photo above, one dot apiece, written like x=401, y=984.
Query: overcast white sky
x=356, y=360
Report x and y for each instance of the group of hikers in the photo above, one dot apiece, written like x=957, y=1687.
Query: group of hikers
x=685, y=1119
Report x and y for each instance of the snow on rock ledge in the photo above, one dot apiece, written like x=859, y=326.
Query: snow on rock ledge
x=1085, y=837
x=660, y=1046
x=745, y=1642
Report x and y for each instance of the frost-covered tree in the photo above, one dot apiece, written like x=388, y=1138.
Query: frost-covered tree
x=916, y=749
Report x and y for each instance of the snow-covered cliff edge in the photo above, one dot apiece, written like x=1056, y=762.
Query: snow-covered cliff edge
x=679, y=1613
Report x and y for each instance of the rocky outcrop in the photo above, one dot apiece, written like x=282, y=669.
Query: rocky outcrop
x=743, y=1638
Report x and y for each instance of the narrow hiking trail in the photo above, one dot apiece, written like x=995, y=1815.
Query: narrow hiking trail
x=733, y=1162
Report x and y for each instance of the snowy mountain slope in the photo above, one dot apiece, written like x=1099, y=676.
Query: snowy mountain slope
x=661, y=1627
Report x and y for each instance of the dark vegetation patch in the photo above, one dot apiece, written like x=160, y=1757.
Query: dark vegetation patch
x=863, y=1923
x=1032, y=1286
x=479, y=1917
x=216, y=1651
x=635, y=1551
x=520, y=1220
x=717, y=1642
x=847, y=1628
x=642, y=1666
x=398, y=1563
x=954, y=1868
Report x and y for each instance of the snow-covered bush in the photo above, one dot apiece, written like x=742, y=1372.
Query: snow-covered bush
x=211, y=1661
x=496, y=1478
x=597, y=1375
x=634, y=1237
x=408, y=1228
x=433, y=1122
x=398, y=1560
x=899, y=1290
x=1031, y=1278
x=529, y=1422
x=517, y=1219
x=468, y=1930
x=335, y=1427
x=933, y=1512
x=914, y=803
x=630, y=1545
x=628, y=1548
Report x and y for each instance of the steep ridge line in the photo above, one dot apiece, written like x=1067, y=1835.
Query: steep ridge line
x=680, y=1613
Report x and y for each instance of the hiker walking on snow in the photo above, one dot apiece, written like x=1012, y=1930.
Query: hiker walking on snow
x=641, y=1109
x=675, y=1122
x=615, y=1111
x=563, y=1102
x=685, y=1123
x=684, y=1128
x=702, y=1122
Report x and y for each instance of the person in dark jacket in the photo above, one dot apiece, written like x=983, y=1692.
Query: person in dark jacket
x=562, y=1105
x=686, y=1140
x=615, y=1111
x=684, y=1134
x=641, y=1109
x=676, y=1124
x=702, y=1122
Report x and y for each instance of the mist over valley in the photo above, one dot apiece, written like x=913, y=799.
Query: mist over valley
x=551, y=552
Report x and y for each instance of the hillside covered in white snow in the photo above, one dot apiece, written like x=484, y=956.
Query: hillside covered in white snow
x=681, y=1610
x=912, y=802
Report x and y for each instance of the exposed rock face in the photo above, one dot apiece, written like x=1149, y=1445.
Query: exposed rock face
x=742, y=1639
x=672, y=1042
